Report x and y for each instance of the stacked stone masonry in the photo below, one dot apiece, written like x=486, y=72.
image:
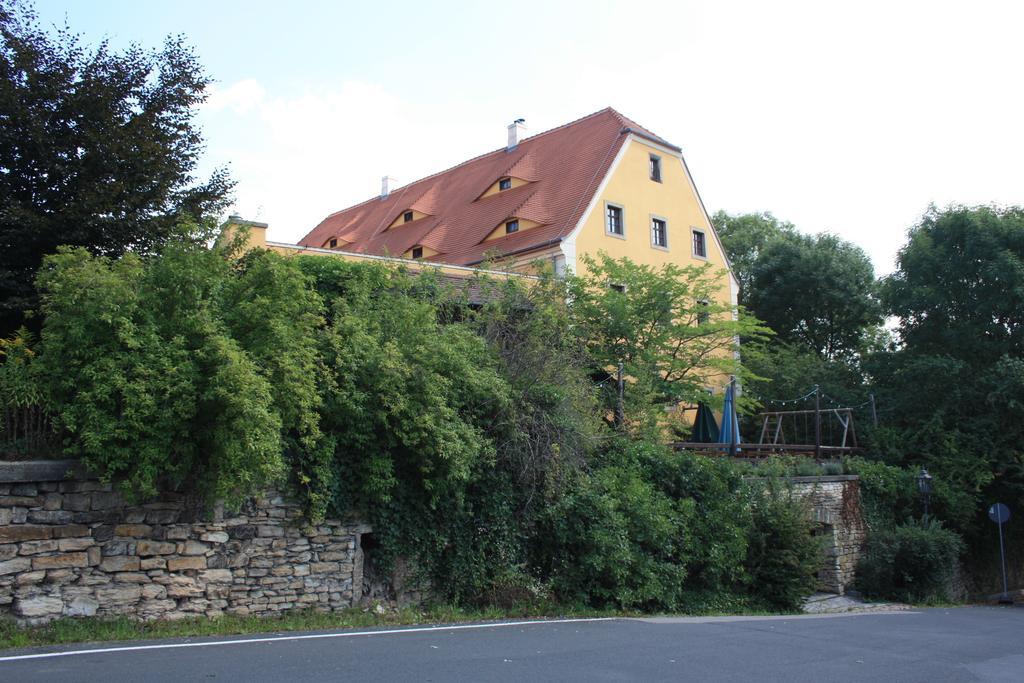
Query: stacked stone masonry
x=836, y=506
x=75, y=548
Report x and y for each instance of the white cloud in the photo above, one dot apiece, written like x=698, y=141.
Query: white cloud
x=838, y=118
x=299, y=158
x=240, y=97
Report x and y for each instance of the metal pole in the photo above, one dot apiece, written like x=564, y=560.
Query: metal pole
x=620, y=409
x=817, y=422
x=733, y=427
x=1002, y=559
x=874, y=412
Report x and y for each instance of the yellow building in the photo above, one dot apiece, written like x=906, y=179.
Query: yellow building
x=599, y=184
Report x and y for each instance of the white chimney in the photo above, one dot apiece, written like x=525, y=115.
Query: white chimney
x=516, y=133
x=387, y=183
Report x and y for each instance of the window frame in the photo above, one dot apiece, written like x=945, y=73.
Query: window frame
x=664, y=222
x=408, y=216
x=622, y=220
x=511, y=222
x=415, y=255
x=504, y=184
x=332, y=243
x=703, y=241
x=703, y=316
x=654, y=167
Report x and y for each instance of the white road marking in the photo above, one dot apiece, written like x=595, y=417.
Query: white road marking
x=772, y=617
x=309, y=636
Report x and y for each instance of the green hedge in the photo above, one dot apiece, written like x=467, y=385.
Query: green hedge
x=912, y=562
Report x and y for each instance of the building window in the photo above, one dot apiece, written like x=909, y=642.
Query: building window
x=659, y=233
x=407, y=216
x=333, y=243
x=511, y=227
x=417, y=252
x=702, y=312
x=505, y=184
x=621, y=289
x=614, y=223
x=655, y=168
x=700, y=245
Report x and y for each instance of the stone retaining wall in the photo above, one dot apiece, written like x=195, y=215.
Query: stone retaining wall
x=74, y=548
x=836, y=507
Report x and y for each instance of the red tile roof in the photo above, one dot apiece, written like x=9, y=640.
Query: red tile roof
x=563, y=167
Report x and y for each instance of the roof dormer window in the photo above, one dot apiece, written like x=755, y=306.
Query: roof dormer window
x=511, y=226
x=407, y=217
x=333, y=244
x=417, y=252
x=505, y=184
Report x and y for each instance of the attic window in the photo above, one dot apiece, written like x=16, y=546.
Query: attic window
x=655, y=167
x=417, y=252
x=505, y=184
x=511, y=227
x=407, y=216
x=333, y=244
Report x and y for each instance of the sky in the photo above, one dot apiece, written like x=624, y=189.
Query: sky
x=849, y=118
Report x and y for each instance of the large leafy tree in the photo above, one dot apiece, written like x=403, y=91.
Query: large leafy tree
x=97, y=149
x=668, y=327
x=959, y=288
x=745, y=237
x=817, y=292
x=954, y=385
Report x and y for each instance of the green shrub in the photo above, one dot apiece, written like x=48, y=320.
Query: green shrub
x=912, y=562
x=616, y=541
x=783, y=557
x=25, y=426
x=184, y=370
x=716, y=544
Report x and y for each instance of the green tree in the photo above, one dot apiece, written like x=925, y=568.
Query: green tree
x=97, y=149
x=953, y=387
x=817, y=292
x=744, y=237
x=667, y=327
x=959, y=287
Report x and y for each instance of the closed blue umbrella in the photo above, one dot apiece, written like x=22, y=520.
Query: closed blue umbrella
x=730, y=432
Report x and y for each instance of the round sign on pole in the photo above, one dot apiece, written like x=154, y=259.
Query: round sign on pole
x=999, y=513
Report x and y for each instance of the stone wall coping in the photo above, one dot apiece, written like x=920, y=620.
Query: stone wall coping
x=823, y=479
x=817, y=479
x=41, y=470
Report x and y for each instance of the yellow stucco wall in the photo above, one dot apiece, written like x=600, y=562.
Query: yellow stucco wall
x=256, y=233
x=673, y=200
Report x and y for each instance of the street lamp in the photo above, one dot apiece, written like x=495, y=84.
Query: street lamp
x=924, y=486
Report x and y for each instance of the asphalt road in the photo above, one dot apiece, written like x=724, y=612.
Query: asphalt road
x=962, y=644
